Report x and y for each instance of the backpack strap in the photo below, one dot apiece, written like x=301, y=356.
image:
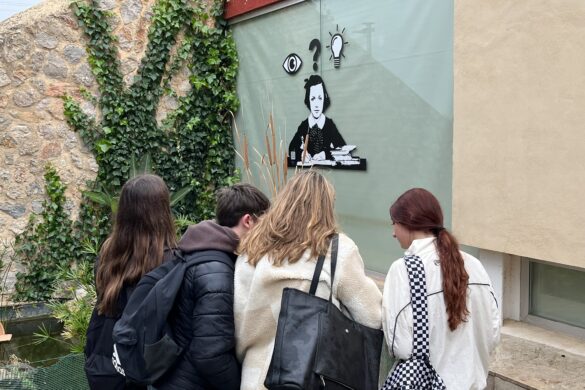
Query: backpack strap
x=418, y=296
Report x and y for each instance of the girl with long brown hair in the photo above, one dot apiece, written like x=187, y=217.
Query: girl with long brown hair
x=143, y=229
x=142, y=238
x=281, y=251
x=463, y=316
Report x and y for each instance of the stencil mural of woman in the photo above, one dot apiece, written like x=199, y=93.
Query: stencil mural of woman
x=326, y=145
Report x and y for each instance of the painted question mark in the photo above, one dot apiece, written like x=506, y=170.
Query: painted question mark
x=315, y=44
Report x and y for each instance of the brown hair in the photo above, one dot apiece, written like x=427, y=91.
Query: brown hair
x=418, y=210
x=300, y=218
x=238, y=200
x=143, y=227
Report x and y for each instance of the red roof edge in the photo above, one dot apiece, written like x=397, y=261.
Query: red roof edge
x=233, y=8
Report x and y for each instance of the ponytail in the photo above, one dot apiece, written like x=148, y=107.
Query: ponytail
x=455, y=278
x=418, y=210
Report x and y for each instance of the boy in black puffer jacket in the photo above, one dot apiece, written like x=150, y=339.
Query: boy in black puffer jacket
x=203, y=318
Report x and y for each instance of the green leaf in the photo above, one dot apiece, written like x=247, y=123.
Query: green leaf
x=146, y=164
x=103, y=145
x=98, y=197
x=179, y=195
x=133, y=167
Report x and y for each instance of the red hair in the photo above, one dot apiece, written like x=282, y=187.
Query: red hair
x=419, y=210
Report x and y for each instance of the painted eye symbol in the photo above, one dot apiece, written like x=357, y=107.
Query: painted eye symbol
x=292, y=63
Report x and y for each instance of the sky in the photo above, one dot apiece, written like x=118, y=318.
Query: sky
x=11, y=7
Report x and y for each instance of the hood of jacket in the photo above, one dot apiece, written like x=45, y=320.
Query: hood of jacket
x=208, y=235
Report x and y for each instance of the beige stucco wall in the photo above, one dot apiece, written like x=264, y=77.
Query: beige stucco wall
x=519, y=129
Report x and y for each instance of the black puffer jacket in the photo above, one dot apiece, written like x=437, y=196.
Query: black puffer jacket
x=203, y=316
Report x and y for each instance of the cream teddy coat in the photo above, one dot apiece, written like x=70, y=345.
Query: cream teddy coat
x=258, y=292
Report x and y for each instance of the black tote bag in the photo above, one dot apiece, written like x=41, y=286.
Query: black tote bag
x=317, y=346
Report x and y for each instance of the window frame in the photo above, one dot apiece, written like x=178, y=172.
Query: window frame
x=525, y=298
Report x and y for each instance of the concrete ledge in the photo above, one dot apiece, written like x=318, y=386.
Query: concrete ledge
x=26, y=318
x=498, y=382
x=529, y=357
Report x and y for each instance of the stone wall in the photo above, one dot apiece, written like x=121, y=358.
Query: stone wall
x=43, y=57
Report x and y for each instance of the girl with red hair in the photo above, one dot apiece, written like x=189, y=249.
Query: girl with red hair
x=462, y=314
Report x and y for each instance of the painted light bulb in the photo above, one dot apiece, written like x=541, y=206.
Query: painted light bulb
x=336, y=48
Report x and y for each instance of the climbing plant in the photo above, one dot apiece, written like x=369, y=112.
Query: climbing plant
x=193, y=147
x=46, y=245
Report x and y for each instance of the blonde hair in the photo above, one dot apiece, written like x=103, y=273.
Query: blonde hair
x=300, y=218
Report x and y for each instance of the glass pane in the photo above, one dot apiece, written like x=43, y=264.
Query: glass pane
x=557, y=294
x=389, y=83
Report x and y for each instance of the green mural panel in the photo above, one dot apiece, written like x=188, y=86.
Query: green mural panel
x=391, y=96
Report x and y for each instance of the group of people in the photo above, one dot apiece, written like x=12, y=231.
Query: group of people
x=225, y=317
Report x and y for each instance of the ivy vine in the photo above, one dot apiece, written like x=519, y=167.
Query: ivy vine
x=193, y=147
x=46, y=246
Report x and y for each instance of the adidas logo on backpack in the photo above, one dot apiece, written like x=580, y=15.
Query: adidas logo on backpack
x=116, y=362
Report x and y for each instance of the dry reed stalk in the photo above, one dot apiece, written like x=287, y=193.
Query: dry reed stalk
x=268, y=162
x=247, y=158
x=271, y=124
x=272, y=188
x=267, y=145
x=243, y=146
x=284, y=168
x=245, y=149
x=268, y=169
x=305, y=147
x=279, y=167
x=276, y=162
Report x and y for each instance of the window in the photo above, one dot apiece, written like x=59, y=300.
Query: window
x=387, y=67
x=557, y=294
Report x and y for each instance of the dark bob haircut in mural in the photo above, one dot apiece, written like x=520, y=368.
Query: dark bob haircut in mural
x=310, y=82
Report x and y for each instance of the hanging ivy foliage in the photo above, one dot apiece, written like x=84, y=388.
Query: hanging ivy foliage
x=193, y=147
x=46, y=245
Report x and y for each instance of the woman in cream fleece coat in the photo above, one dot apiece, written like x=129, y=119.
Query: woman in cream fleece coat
x=281, y=251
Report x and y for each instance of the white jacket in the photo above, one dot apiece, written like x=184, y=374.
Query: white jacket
x=460, y=357
x=258, y=292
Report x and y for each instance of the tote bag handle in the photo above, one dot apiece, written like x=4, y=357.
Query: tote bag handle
x=319, y=267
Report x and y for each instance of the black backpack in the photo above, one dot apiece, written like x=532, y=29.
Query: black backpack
x=99, y=370
x=144, y=348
